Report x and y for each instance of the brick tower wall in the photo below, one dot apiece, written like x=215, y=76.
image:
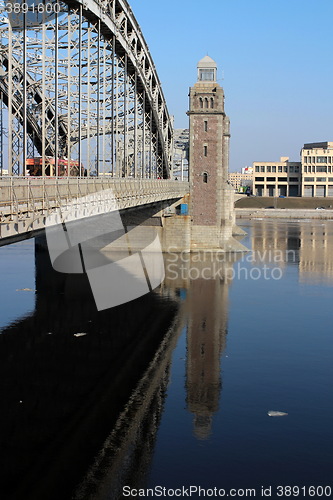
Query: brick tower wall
x=211, y=206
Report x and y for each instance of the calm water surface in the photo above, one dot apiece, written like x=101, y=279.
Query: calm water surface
x=172, y=389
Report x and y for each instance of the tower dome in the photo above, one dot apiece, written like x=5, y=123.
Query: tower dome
x=207, y=69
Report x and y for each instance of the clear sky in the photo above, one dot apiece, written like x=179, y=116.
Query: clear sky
x=275, y=62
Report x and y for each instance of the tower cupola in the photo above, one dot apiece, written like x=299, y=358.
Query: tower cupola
x=207, y=69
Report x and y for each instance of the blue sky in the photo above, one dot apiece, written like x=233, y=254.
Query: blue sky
x=275, y=62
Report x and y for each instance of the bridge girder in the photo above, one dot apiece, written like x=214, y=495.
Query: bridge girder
x=80, y=81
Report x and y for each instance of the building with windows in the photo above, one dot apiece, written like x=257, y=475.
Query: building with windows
x=317, y=169
x=281, y=178
x=239, y=180
x=312, y=176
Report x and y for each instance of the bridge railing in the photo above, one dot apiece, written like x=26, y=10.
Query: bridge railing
x=20, y=197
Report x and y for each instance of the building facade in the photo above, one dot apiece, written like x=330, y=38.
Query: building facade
x=311, y=177
x=281, y=178
x=239, y=180
x=317, y=169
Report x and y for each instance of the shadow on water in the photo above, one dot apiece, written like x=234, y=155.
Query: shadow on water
x=81, y=412
x=68, y=398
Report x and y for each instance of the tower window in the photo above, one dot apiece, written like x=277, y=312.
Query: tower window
x=211, y=103
x=205, y=125
x=206, y=102
x=205, y=177
x=201, y=103
x=205, y=150
x=206, y=75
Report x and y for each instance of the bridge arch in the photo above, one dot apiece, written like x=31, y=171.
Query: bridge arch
x=78, y=82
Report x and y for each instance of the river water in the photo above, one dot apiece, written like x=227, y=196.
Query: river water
x=173, y=389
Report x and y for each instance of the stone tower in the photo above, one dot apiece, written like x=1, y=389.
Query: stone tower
x=211, y=198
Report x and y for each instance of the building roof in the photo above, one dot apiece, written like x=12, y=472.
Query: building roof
x=207, y=62
x=318, y=145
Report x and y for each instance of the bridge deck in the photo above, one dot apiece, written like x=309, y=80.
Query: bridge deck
x=26, y=202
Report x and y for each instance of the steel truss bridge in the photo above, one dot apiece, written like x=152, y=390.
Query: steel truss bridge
x=77, y=81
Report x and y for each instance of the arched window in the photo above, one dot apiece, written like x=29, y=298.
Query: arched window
x=212, y=102
x=205, y=177
x=206, y=103
x=201, y=103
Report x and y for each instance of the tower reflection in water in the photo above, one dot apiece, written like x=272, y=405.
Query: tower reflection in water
x=206, y=339
x=206, y=278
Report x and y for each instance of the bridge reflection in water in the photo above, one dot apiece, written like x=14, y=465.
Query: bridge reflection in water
x=82, y=412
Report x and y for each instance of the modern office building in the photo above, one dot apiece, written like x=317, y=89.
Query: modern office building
x=312, y=176
x=317, y=169
x=281, y=178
